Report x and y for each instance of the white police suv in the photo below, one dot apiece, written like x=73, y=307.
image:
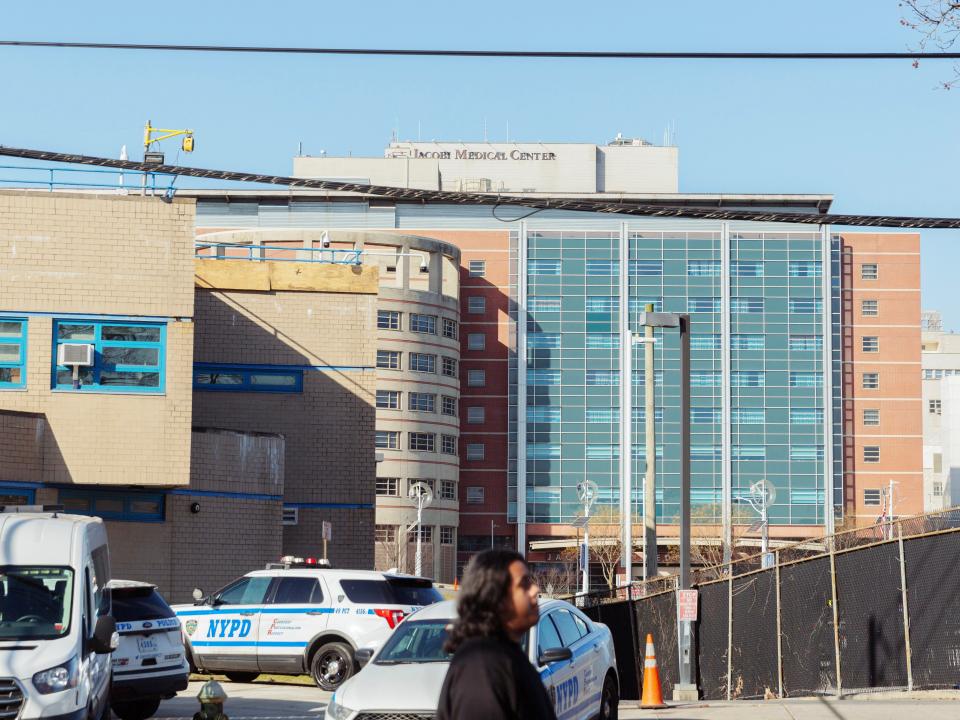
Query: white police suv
x=573, y=654
x=298, y=618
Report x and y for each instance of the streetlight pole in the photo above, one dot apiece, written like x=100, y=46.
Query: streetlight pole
x=650, y=479
x=587, y=491
x=685, y=689
x=422, y=495
x=492, y=526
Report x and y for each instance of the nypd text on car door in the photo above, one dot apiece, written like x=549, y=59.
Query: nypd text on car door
x=574, y=685
x=224, y=635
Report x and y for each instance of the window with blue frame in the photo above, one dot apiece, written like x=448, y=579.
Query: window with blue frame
x=746, y=268
x=705, y=342
x=245, y=378
x=602, y=303
x=128, y=356
x=17, y=496
x=13, y=353
x=113, y=505
x=747, y=378
x=646, y=268
x=804, y=268
x=703, y=268
x=602, y=267
x=703, y=304
x=746, y=305
x=543, y=267
x=747, y=342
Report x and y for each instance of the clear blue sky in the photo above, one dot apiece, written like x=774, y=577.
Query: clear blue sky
x=878, y=135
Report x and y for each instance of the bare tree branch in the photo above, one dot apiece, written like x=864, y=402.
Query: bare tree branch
x=938, y=23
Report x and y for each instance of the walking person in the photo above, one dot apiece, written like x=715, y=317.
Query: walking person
x=490, y=677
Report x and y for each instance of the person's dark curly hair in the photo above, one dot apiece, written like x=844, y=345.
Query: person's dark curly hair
x=483, y=596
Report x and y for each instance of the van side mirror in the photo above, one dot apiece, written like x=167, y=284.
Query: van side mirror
x=555, y=655
x=197, y=595
x=363, y=655
x=105, y=638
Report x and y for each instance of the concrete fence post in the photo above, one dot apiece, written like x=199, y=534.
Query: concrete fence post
x=906, y=610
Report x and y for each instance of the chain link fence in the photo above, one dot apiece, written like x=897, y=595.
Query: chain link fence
x=875, y=608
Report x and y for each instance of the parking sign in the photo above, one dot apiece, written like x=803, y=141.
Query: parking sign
x=687, y=605
x=327, y=530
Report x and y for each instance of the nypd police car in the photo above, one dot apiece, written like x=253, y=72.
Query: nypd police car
x=298, y=618
x=573, y=654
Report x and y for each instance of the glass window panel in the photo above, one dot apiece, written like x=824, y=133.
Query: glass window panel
x=747, y=342
x=9, y=353
x=11, y=328
x=108, y=505
x=218, y=378
x=547, y=341
x=145, y=506
x=64, y=377
x=646, y=268
x=273, y=379
x=130, y=333
x=75, y=332
x=131, y=356
x=133, y=379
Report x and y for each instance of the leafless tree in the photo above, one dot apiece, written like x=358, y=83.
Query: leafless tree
x=938, y=24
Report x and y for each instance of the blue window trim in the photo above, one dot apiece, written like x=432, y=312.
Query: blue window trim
x=99, y=365
x=126, y=515
x=247, y=373
x=20, y=342
x=29, y=494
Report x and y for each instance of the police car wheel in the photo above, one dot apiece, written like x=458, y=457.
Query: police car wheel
x=609, y=699
x=332, y=664
x=242, y=677
x=136, y=709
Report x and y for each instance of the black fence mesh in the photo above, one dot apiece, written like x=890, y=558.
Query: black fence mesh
x=753, y=663
x=712, y=640
x=933, y=596
x=657, y=616
x=869, y=635
x=618, y=616
x=806, y=629
x=869, y=603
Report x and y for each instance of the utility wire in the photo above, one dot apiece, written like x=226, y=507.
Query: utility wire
x=571, y=54
x=623, y=207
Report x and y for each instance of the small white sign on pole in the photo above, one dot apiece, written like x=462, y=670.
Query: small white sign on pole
x=327, y=531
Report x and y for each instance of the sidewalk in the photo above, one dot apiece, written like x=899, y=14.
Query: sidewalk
x=933, y=705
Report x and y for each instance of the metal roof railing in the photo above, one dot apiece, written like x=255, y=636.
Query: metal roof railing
x=277, y=253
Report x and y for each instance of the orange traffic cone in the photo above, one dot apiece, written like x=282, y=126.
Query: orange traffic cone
x=652, y=697
x=456, y=584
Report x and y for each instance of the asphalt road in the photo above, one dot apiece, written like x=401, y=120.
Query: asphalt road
x=276, y=700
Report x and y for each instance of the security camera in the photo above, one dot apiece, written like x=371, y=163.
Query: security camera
x=424, y=267
x=326, y=242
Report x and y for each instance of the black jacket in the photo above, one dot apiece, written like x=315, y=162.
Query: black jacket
x=491, y=679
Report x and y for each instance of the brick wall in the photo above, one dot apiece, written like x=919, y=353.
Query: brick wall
x=94, y=255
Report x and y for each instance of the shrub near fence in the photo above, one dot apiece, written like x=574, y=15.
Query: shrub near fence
x=874, y=608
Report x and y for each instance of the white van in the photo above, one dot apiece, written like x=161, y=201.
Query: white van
x=56, y=631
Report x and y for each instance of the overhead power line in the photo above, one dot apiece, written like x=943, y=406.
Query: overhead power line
x=623, y=207
x=570, y=54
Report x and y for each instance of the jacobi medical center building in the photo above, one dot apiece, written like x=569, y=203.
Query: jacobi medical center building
x=489, y=367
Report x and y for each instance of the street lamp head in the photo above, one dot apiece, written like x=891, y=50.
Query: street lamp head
x=659, y=319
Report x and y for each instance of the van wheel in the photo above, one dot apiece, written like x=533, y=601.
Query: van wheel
x=609, y=699
x=332, y=664
x=135, y=709
x=242, y=677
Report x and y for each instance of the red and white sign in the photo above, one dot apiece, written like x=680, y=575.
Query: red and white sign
x=687, y=605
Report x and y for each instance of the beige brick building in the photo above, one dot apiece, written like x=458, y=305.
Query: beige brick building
x=229, y=407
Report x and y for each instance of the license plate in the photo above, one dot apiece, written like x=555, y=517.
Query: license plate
x=147, y=645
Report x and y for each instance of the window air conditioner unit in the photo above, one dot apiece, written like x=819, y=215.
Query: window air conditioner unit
x=79, y=354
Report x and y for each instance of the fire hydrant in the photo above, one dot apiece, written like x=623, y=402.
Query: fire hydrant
x=211, y=697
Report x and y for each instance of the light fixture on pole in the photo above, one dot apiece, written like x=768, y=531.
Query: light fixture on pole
x=763, y=494
x=587, y=492
x=686, y=689
x=422, y=495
